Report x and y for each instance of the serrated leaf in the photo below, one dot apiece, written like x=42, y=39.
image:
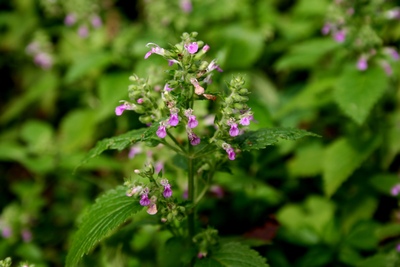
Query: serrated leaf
x=233, y=255
x=267, y=137
x=121, y=142
x=109, y=212
x=342, y=158
x=357, y=92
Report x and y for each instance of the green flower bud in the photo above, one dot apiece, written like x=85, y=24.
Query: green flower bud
x=238, y=106
x=145, y=119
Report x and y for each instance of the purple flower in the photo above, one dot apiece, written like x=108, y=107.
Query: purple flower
x=398, y=247
x=206, y=48
x=155, y=49
x=167, y=191
x=326, y=28
x=186, y=6
x=387, y=68
x=231, y=153
x=245, y=120
x=234, y=131
x=144, y=199
x=362, y=63
x=167, y=88
x=192, y=47
x=43, y=60
x=217, y=190
x=192, y=122
x=140, y=101
x=193, y=138
x=172, y=62
x=174, y=119
x=340, y=36
x=70, y=19
x=26, y=235
x=120, y=109
x=161, y=132
x=6, y=232
x=393, y=53
x=136, y=149
x=395, y=190
x=158, y=166
x=96, y=21
x=83, y=31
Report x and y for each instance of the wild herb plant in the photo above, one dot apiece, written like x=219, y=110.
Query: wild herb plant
x=205, y=145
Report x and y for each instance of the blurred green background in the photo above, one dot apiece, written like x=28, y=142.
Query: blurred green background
x=317, y=202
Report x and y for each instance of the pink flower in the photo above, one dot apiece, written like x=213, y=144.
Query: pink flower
x=192, y=48
x=326, y=28
x=395, y=190
x=162, y=131
x=167, y=191
x=231, y=153
x=83, y=31
x=167, y=88
x=6, y=232
x=172, y=62
x=136, y=149
x=193, y=138
x=234, y=131
x=152, y=209
x=155, y=49
x=120, y=109
x=174, y=119
x=206, y=48
x=186, y=6
x=70, y=19
x=192, y=122
x=340, y=36
x=245, y=120
x=43, y=60
x=362, y=63
x=96, y=21
x=387, y=68
x=144, y=199
x=26, y=235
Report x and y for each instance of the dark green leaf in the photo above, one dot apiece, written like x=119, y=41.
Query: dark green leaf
x=121, y=142
x=109, y=212
x=233, y=255
x=267, y=137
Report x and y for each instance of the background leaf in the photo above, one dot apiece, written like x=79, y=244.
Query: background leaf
x=357, y=92
x=109, y=212
x=267, y=137
x=233, y=254
x=341, y=159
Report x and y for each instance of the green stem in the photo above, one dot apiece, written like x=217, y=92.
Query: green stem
x=176, y=142
x=191, y=215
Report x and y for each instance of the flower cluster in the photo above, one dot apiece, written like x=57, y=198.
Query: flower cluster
x=356, y=26
x=83, y=15
x=187, y=82
x=41, y=51
x=150, y=194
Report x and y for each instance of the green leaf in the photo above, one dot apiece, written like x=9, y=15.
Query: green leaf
x=233, y=254
x=342, y=158
x=86, y=64
x=306, y=54
x=109, y=212
x=267, y=137
x=121, y=142
x=357, y=92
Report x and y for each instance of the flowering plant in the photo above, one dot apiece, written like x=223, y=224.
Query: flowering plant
x=171, y=111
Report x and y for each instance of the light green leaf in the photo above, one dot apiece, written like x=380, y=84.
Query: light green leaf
x=306, y=54
x=109, y=212
x=342, y=158
x=122, y=141
x=86, y=64
x=267, y=137
x=233, y=254
x=357, y=92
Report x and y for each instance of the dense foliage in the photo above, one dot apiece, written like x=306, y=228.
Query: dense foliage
x=326, y=67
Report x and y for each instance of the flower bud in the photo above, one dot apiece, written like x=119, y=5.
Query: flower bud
x=145, y=119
